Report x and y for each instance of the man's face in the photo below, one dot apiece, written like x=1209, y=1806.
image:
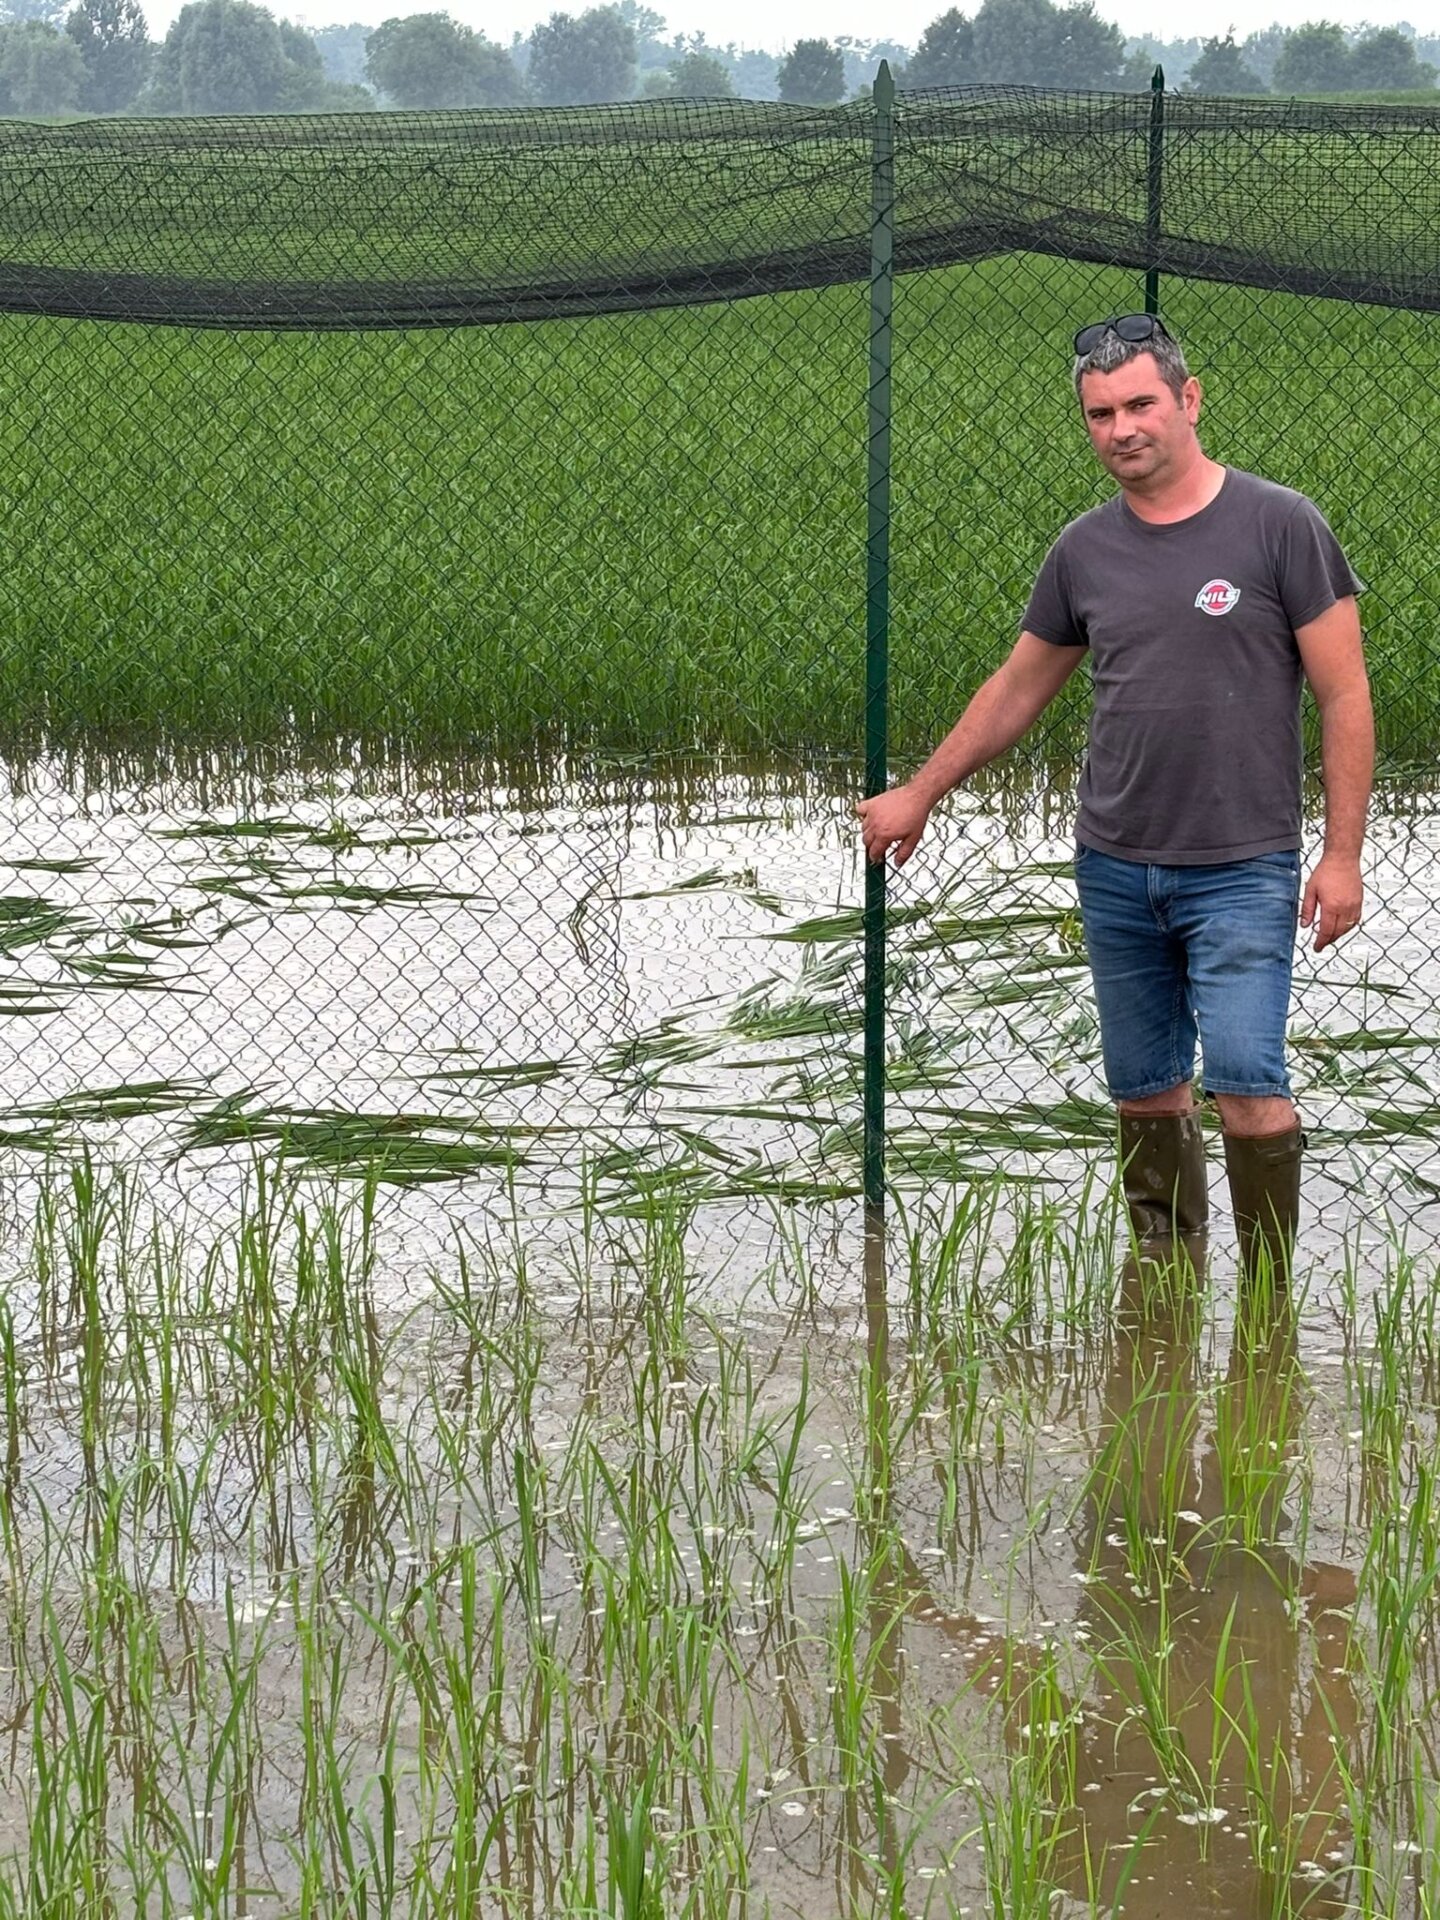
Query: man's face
x=1139, y=430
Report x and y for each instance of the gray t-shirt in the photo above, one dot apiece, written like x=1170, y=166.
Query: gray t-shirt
x=1195, y=744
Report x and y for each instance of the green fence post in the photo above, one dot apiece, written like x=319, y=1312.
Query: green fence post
x=1154, y=188
x=877, y=628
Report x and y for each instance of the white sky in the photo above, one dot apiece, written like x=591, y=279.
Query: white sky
x=777, y=23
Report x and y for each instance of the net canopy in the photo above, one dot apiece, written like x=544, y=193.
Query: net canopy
x=475, y=218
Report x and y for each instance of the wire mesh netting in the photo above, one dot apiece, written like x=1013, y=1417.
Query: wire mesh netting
x=432, y=742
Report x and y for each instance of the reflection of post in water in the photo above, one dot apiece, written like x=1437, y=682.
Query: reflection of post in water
x=877, y=1371
x=882, y=1764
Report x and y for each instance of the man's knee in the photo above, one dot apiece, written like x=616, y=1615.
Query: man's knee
x=1252, y=1115
x=1172, y=1100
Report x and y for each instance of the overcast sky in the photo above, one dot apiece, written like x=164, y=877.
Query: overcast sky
x=778, y=23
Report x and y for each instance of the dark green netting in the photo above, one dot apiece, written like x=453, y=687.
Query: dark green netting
x=1299, y=196
x=446, y=219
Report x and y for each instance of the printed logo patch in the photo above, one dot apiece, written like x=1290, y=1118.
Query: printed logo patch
x=1217, y=597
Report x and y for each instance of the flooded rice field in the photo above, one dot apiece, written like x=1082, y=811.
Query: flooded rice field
x=646, y=986
x=454, y=1459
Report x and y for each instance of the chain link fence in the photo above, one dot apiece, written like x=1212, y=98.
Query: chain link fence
x=435, y=627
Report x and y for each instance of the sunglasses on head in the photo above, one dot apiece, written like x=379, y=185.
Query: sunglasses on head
x=1133, y=327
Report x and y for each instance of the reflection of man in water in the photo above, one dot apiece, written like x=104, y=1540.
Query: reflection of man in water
x=1202, y=596
x=1218, y=1619
x=1205, y=1666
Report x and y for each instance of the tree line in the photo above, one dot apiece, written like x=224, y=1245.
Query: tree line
x=235, y=56
x=1070, y=46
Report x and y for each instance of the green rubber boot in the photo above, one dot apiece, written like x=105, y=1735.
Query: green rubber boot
x=1162, y=1159
x=1264, y=1176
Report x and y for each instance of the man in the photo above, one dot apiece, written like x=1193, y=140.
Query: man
x=1202, y=594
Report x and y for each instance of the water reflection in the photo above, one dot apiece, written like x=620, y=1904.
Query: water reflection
x=1193, y=1733
x=1224, y=1655
x=470, y=973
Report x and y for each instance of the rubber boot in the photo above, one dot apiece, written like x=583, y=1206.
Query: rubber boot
x=1264, y=1176
x=1162, y=1158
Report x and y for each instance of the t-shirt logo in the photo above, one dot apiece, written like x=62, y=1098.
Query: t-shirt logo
x=1217, y=597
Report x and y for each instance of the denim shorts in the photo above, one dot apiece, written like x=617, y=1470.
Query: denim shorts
x=1178, y=952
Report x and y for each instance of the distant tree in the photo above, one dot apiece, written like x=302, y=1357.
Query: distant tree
x=41, y=70
x=1088, y=51
x=945, y=54
x=1221, y=69
x=753, y=72
x=1263, y=49
x=1385, y=61
x=116, y=50
x=1013, y=40
x=1138, y=72
x=428, y=60
x=697, y=75
x=860, y=70
x=1145, y=53
x=1034, y=43
x=859, y=62
x=1314, y=59
x=219, y=56
x=651, y=47
x=656, y=84
x=305, y=84
x=298, y=46
x=19, y=13
x=894, y=51
x=230, y=56
x=812, y=74
x=342, y=52
x=576, y=61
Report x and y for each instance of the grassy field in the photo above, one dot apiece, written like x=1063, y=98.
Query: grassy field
x=635, y=533
x=568, y=1592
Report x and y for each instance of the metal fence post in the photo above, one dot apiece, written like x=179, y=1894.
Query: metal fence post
x=877, y=628
x=1154, y=188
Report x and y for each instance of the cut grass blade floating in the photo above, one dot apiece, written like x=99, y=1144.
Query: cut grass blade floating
x=847, y=926
x=406, y=1149
x=712, y=880
x=290, y=888
x=1062, y=1122
x=28, y=999
x=75, y=864
x=28, y=922
x=121, y=971
x=128, y=1101
x=278, y=829
x=337, y=837
x=1363, y=1040
x=353, y=893
x=500, y=1076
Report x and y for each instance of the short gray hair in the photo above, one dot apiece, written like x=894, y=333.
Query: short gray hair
x=1112, y=353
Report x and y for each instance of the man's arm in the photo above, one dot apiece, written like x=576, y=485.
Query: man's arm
x=1002, y=709
x=1333, y=655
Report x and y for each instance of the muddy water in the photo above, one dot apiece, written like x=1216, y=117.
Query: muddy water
x=1086, y=1616
x=657, y=984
